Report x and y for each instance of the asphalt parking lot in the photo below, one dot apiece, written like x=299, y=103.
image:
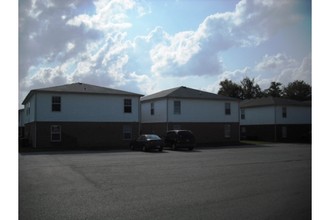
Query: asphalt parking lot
x=241, y=182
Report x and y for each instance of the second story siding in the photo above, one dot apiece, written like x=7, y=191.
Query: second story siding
x=293, y=115
x=87, y=108
x=189, y=110
x=159, y=111
x=197, y=110
x=258, y=116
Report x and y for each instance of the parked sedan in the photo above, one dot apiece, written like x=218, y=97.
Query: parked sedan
x=147, y=142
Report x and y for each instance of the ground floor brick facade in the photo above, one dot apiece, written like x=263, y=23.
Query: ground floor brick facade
x=205, y=133
x=81, y=134
x=277, y=133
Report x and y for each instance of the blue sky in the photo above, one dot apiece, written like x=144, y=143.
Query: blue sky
x=147, y=46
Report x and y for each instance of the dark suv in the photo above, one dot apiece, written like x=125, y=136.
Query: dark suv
x=180, y=139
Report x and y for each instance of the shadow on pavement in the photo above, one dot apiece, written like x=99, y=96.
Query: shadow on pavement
x=91, y=150
x=62, y=150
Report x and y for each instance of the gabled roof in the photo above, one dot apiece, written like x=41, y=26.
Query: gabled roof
x=272, y=101
x=186, y=93
x=81, y=88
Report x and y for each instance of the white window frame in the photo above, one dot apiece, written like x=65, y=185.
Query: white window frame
x=152, y=108
x=227, y=108
x=177, y=107
x=243, y=114
x=128, y=105
x=55, y=130
x=284, y=132
x=284, y=112
x=127, y=132
x=227, y=131
x=56, y=104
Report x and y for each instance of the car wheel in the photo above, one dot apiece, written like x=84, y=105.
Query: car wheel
x=132, y=147
x=160, y=149
x=191, y=148
x=173, y=146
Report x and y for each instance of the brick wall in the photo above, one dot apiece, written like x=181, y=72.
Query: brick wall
x=81, y=134
x=205, y=133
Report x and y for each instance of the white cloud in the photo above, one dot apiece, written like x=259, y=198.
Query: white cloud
x=65, y=41
x=275, y=63
x=198, y=52
x=284, y=69
x=302, y=71
x=278, y=67
x=109, y=15
x=64, y=46
x=70, y=46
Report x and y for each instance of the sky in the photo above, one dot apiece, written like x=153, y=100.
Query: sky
x=147, y=46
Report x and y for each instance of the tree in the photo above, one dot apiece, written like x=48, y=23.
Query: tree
x=230, y=89
x=298, y=90
x=274, y=90
x=250, y=90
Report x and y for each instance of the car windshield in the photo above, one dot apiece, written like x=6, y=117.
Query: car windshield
x=186, y=134
x=152, y=137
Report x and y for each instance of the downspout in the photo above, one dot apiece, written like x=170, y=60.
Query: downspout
x=139, y=115
x=275, y=122
x=35, y=119
x=167, y=114
x=239, y=121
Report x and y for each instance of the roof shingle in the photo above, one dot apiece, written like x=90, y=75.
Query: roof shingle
x=272, y=101
x=81, y=88
x=186, y=93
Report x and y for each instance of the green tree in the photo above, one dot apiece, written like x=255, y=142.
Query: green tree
x=274, y=90
x=230, y=89
x=250, y=89
x=298, y=90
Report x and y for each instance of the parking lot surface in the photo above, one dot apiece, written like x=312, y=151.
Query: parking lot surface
x=241, y=182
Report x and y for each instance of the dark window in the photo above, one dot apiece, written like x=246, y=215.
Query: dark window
x=284, y=114
x=284, y=132
x=128, y=105
x=227, y=109
x=177, y=107
x=127, y=132
x=55, y=133
x=152, y=108
x=242, y=113
x=227, y=131
x=56, y=103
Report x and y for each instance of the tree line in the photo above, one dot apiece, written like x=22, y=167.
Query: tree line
x=249, y=89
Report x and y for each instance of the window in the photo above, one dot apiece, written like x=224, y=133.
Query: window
x=284, y=114
x=242, y=114
x=127, y=105
x=227, y=108
x=127, y=132
x=56, y=103
x=152, y=108
x=227, y=131
x=55, y=133
x=177, y=107
x=284, y=132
